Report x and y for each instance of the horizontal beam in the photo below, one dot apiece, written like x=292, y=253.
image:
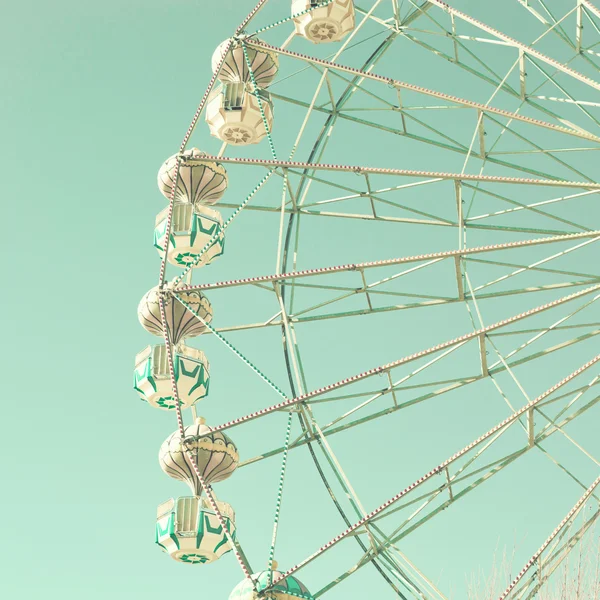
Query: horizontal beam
x=450, y=386
x=415, y=88
x=364, y=170
x=303, y=316
x=389, y=262
x=286, y=404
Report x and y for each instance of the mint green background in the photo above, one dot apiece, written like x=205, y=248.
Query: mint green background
x=94, y=97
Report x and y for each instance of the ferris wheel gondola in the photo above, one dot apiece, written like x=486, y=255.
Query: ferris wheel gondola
x=213, y=453
x=181, y=319
x=323, y=22
x=199, y=182
x=192, y=228
x=188, y=529
x=244, y=64
x=239, y=114
x=152, y=378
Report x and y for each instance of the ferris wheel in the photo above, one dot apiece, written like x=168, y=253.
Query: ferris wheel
x=449, y=227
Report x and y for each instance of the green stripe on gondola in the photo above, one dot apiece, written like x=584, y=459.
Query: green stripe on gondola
x=159, y=237
x=198, y=228
x=146, y=375
x=196, y=373
x=163, y=400
x=210, y=529
x=168, y=530
x=200, y=533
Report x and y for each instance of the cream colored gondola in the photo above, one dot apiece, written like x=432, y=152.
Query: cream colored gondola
x=214, y=453
x=191, y=229
x=200, y=182
x=152, y=380
x=234, y=115
x=328, y=23
x=189, y=530
x=182, y=321
x=264, y=64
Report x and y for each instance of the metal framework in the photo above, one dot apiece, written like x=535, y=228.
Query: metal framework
x=510, y=196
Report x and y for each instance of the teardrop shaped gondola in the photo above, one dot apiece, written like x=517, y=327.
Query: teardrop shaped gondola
x=214, y=453
x=200, y=182
x=182, y=322
x=263, y=62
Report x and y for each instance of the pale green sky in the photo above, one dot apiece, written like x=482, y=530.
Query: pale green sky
x=95, y=96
